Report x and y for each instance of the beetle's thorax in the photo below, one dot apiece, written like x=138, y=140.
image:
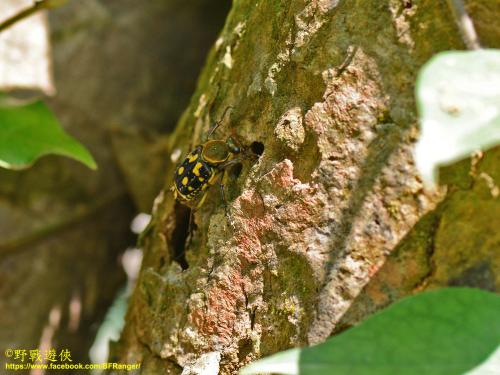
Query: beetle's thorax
x=215, y=151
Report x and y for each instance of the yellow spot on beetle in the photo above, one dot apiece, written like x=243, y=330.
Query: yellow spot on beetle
x=190, y=188
x=196, y=169
x=201, y=179
x=192, y=157
x=181, y=170
x=184, y=181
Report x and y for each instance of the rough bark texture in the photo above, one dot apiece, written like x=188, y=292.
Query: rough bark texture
x=334, y=193
x=62, y=226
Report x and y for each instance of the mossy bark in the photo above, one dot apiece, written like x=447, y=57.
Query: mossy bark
x=330, y=206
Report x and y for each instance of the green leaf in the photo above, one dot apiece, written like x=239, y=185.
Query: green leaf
x=30, y=131
x=442, y=332
x=458, y=100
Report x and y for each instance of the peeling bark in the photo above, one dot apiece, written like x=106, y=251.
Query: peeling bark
x=327, y=88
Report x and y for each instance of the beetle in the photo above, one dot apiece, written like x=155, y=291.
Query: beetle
x=203, y=167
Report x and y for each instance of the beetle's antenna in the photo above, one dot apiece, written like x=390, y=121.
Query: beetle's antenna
x=218, y=122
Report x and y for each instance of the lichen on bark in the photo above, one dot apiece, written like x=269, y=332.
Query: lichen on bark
x=316, y=216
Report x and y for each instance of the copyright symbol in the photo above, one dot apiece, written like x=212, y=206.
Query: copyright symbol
x=9, y=352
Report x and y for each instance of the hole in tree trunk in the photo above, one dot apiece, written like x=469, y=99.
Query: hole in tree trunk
x=257, y=148
x=177, y=243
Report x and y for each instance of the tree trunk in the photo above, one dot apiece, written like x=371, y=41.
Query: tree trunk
x=327, y=88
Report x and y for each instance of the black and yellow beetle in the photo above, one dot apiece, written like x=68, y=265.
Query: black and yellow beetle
x=204, y=166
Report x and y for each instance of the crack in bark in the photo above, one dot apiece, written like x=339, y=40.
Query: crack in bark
x=177, y=239
x=430, y=250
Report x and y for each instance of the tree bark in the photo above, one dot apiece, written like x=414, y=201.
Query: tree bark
x=333, y=209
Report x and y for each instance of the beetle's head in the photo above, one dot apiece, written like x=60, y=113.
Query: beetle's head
x=233, y=145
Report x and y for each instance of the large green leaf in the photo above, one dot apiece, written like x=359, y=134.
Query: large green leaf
x=442, y=332
x=458, y=99
x=30, y=131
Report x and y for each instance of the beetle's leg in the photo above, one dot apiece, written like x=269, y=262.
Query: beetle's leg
x=190, y=230
x=222, y=194
x=223, y=198
x=200, y=202
x=233, y=161
x=174, y=191
x=350, y=55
